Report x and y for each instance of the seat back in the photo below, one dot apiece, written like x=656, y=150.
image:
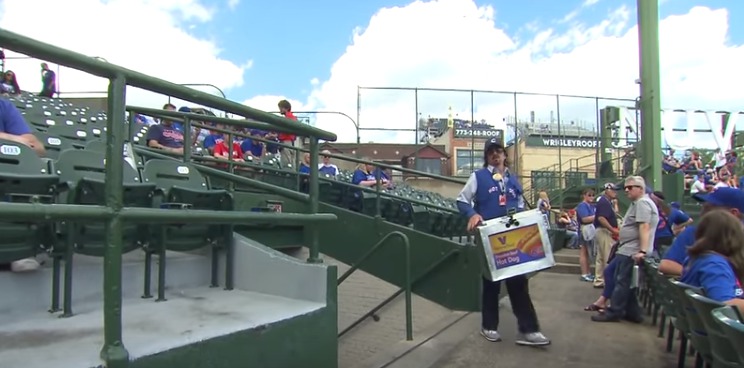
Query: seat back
x=731, y=322
x=74, y=165
x=77, y=134
x=677, y=297
x=167, y=174
x=698, y=333
x=183, y=184
x=24, y=177
x=85, y=171
x=53, y=144
x=722, y=350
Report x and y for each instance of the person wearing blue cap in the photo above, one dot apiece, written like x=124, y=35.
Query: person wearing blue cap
x=730, y=199
x=635, y=241
x=489, y=193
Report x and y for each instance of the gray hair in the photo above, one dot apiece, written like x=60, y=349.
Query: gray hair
x=636, y=180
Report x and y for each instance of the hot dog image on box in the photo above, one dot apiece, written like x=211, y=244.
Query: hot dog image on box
x=516, y=245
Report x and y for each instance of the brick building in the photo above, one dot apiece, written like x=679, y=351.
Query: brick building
x=424, y=157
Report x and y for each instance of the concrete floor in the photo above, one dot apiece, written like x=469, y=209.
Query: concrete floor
x=577, y=342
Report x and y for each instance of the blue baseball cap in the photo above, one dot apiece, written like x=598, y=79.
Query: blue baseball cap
x=675, y=205
x=724, y=197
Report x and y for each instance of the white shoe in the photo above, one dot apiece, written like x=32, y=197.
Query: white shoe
x=491, y=335
x=25, y=265
x=532, y=339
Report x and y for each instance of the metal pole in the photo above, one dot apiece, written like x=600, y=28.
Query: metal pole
x=113, y=351
x=603, y=144
x=359, y=110
x=516, y=139
x=472, y=132
x=415, y=150
x=560, y=156
x=314, y=194
x=650, y=102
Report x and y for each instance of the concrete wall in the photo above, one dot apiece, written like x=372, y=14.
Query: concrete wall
x=264, y=270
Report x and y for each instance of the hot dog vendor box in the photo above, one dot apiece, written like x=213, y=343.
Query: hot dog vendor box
x=515, y=245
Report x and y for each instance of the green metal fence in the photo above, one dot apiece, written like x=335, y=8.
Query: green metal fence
x=113, y=213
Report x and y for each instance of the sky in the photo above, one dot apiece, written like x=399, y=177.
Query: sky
x=317, y=55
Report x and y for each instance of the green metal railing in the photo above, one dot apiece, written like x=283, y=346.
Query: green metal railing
x=114, y=214
x=407, y=283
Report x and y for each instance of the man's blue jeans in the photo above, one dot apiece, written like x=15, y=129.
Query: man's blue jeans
x=624, y=301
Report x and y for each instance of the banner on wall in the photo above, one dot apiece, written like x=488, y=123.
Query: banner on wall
x=516, y=245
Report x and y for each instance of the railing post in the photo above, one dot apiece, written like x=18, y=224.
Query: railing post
x=187, y=139
x=113, y=351
x=314, y=197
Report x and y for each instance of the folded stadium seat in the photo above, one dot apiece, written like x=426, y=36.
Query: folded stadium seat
x=82, y=182
x=76, y=134
x=722, y=349
x=24, y=178
x=99, y=145
x=731, y=321
x=182, y=187
x=53, y=144
x=332, y=192
x=39, y=121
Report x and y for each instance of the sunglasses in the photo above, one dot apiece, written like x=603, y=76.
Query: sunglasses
x=629, y=187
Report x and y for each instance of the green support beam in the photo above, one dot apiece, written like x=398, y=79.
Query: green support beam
x=650, y=101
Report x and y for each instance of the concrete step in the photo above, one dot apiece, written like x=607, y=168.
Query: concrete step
x=567, y=268
x=567, y=256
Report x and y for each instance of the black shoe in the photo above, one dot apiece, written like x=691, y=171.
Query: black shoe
x=638, y=319
x=604, y=318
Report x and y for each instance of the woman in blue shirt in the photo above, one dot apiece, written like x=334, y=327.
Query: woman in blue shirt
x=716, y=261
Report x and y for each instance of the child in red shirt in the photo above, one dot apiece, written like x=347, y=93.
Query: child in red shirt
x=220, y=151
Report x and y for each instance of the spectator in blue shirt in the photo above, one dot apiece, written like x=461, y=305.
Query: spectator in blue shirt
x=729, y=199
x=716, y=259
x=15, y=129
x=605, y=223
x=326, y=167
x=585, y=212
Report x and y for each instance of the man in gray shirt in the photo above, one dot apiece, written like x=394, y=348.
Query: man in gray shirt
x=636, y=241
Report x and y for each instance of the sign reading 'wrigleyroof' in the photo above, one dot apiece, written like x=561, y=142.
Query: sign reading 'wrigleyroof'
x=568, y=142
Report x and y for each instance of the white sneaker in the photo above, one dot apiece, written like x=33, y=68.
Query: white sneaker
x=532, y=339
x=25, y=265
x=491, y=335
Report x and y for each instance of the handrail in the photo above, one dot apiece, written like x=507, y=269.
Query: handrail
x=41, y=50
x=407, y=282
x=372, y=312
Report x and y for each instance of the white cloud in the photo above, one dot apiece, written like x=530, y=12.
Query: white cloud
x=315, y=81
x=456, y=44
x=145, y=35
x=232, y=4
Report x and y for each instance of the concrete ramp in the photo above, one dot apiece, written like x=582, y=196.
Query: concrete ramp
x=374, y=338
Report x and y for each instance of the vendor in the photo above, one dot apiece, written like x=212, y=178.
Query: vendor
x=489, y=193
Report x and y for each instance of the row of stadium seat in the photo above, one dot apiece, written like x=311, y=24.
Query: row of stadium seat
x=439, y=217
x=77, y=177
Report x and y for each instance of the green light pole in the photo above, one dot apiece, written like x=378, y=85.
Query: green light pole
x=650, y=101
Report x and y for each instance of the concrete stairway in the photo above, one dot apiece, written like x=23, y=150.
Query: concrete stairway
x=567, y=262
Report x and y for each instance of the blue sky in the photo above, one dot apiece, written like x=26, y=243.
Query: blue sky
x=294, y=41
x=259, y=52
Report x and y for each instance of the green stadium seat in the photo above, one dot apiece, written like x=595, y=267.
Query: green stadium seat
x=722, y=349
x=731, y=321
x=181, y=187
x=78, y=135
x=24, y=178
x=82, y=182
x=53, y=144
x=696, y=328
